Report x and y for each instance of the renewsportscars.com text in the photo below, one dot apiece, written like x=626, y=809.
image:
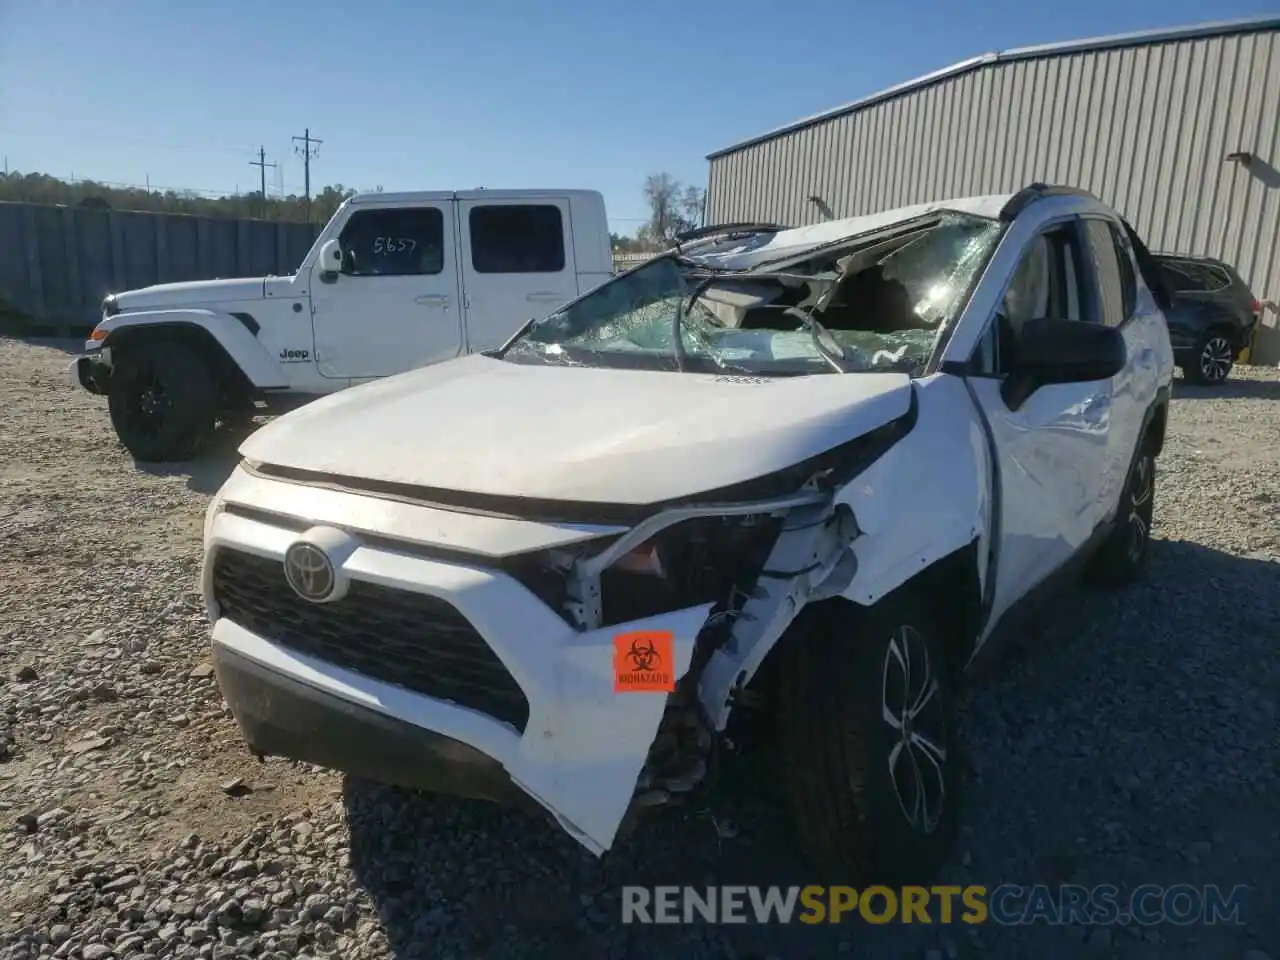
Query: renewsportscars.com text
x=1006, y=905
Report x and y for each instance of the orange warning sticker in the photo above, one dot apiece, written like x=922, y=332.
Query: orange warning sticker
x=644, y=662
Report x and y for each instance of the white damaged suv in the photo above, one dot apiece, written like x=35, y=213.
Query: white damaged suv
x=807, y=471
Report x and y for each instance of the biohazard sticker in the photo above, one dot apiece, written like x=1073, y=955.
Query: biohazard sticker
x=644, y=662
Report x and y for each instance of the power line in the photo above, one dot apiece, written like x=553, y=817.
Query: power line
x=261, y=164
x=306, y=140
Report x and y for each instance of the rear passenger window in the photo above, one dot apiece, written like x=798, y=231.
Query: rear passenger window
x=408, y=241
x=517, y=238
x=1187, y=276
x=1128, y=274
x=1106, y=270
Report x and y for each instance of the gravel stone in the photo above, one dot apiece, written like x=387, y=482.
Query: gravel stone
x=1129, y=740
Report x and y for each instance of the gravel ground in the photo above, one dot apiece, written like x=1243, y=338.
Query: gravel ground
x=1132, y=741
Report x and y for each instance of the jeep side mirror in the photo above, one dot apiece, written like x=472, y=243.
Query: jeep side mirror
x=330, y=261
x=1062, y=351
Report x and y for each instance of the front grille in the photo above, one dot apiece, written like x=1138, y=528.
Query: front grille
x=414, y=641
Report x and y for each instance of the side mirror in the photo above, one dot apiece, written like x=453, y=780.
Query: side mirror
x=1062, y=351
x=330, y=261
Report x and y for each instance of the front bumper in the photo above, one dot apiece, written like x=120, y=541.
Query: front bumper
x=579, y=753
x=281, y=716
x=92, y=373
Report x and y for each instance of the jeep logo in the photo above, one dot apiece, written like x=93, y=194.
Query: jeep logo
x=294, y=356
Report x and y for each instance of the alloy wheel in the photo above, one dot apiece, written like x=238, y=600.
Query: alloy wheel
x=1142, y=487
x=912, y=708
x=1215, y=359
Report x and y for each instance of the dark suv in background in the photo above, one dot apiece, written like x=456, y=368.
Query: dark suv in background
x=1212, y=315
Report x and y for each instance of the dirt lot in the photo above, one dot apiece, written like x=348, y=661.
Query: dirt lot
x=1133, y=740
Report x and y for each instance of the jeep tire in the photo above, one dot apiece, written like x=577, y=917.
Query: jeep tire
x=874, y=798
x=163, y=401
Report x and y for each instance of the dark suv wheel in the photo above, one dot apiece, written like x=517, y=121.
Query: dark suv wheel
x=1214, y=356
x=163, y=401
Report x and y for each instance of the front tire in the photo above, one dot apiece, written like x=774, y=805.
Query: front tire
x=163, y=401
x=1215, y=355
x=869, y=752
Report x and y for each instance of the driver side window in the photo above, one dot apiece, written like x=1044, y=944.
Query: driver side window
x=1048, y=283
x=395, y=242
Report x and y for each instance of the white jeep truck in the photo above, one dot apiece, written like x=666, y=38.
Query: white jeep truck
x=799, y=473
x=394, y=281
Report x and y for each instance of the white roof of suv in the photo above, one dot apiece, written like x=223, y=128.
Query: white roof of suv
x=738, y=253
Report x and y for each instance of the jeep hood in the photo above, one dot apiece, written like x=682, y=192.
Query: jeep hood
x=487, y=426
x=191, y=294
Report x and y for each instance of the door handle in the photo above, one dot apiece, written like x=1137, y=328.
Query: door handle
x=435, y=299
x=543, y=295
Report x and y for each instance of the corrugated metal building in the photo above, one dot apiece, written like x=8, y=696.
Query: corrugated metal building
x=1146, y=121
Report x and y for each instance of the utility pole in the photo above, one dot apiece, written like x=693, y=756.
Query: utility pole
x=261, y=164
x=303, y=146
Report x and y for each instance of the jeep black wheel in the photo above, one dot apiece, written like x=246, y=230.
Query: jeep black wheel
x=163, y=401
x=869, y=752
x=1122, y=558
x=1214, y=356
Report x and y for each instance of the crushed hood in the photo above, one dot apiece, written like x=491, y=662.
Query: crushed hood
x=487, y=426
x=191, y=294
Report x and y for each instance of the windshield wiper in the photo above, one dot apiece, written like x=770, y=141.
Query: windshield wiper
x=684, y=306
x=836, y=358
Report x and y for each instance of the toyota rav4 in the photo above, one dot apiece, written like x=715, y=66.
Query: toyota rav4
x=808, y=471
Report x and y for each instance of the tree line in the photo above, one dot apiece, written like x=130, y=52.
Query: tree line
x=42, y=188
x=673, y=206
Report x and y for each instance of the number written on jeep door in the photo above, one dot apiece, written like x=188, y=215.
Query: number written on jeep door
x=393, y=245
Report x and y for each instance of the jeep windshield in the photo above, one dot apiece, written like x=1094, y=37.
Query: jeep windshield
x=874, y=302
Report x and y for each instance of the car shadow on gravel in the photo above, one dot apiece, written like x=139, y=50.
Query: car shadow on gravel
x=212, y=467
x=1230, y=390
x=457, y=878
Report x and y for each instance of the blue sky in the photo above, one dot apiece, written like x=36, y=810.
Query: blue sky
x=451, y=95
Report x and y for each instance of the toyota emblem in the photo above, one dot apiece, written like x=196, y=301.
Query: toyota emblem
x=310, y=572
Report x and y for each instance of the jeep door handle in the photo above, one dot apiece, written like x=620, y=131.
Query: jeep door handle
x=543, y=295
x=432, y=299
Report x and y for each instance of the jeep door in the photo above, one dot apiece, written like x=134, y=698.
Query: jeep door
x=1052, y=449
x=395, y=304
x=517, y=262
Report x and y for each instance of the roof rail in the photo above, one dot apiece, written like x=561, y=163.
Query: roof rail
x=1038, y=191
x=745, y=228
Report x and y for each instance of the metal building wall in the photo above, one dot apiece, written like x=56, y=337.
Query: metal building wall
x=1146, y=128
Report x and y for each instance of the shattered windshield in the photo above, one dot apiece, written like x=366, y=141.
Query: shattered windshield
x=866, y=304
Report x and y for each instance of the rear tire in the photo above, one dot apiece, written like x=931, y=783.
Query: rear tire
x=874, y=799
x=1214, y=356
x=163, y=401
x=1122, y=558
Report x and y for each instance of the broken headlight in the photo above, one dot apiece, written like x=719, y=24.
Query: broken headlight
x=703, y=560
x=700, y=560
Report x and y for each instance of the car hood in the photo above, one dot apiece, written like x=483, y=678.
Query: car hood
x=192, y=293
x=487, y=426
